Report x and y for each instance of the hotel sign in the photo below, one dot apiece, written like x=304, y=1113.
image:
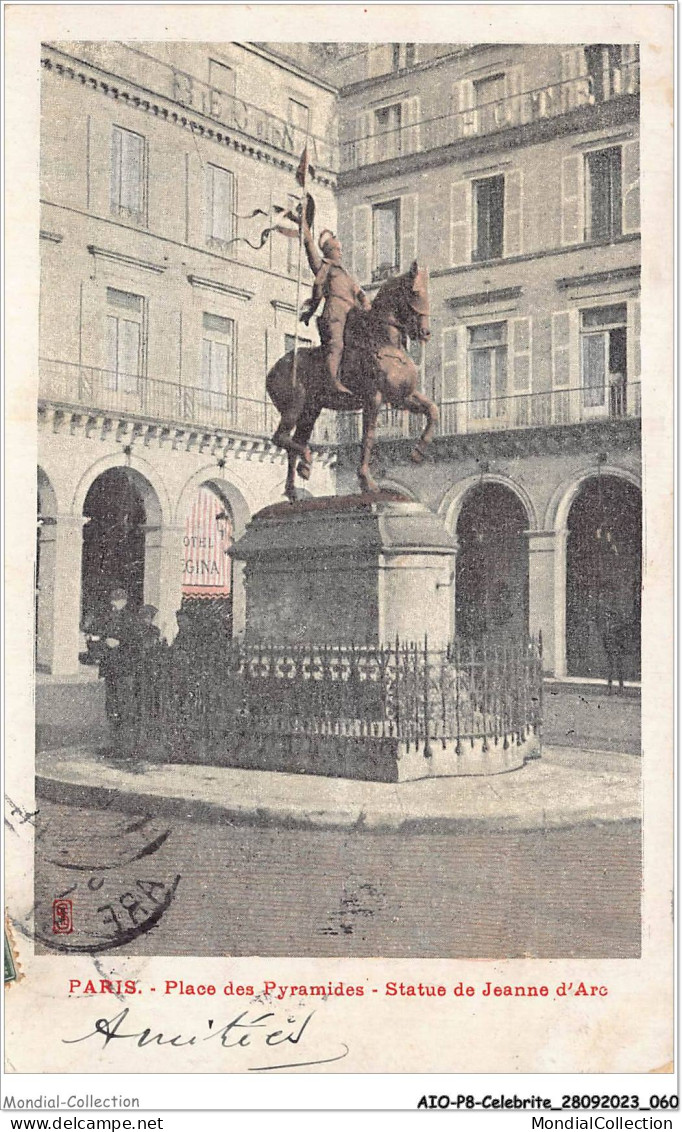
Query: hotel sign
x=250, y=120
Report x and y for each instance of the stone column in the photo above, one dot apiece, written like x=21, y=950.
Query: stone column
x=47, y=543
x=542, y=593
x=560, y=661
x=238, y=598
x=62, y=596
x=164, y=554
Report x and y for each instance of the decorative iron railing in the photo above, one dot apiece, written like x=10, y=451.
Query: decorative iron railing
x=105, y=390
x=487, y=118
x=495, y=414
x=210, y=695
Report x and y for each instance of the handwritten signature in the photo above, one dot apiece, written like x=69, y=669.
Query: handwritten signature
x=260, y=1031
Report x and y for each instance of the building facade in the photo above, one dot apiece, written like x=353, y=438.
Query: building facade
x=160, y=315
x=510, y=171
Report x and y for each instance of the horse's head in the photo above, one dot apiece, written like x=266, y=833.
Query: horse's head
x=406, y=299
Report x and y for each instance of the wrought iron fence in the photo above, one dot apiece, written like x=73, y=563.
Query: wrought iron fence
x=487, y=117
x=111, y=391
x=199, y=699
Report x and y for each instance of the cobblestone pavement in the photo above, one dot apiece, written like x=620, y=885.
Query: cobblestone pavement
x=167, y=886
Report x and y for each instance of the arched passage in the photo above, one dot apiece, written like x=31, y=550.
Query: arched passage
x=120, y=541
x=491, y=585
x=603, y=579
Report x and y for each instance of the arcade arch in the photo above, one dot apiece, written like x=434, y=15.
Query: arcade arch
x=212, y=513
x=491, y=580
x=121, y=541
x=603, y=572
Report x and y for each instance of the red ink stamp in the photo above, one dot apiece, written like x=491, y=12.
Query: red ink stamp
x=62, y=917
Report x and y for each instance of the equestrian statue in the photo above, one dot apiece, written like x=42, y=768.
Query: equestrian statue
x=362, y=362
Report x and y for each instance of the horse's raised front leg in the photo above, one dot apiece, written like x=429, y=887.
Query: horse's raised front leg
x=370, y=412
x=418, y=403
x=289, y=419
x=304, y=430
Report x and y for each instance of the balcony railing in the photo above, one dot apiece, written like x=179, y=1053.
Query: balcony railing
x=102, y=390
x=488, y=118
x=495, y=414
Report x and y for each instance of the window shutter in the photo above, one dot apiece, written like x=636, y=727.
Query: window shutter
x=234, y=360
x=634, y=358
x=364, y=143
x=561, y=349
x=572, y=203
x=513, y=87
x=460, y=222
x=512, y=212
x=116, y=144
x=362, y=242
x=450, y=380
x=132, y=158
x=630, y=68
x=410, y=125
x=409, y=222
x=222, y=204
x=112, y=347
x=575, y=85
x=205, y=363
x=521, y=354
x=630, y=158
x=465, y=124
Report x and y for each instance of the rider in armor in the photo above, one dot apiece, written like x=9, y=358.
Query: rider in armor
x=340, y=293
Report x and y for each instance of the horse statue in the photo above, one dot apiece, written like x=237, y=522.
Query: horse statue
x=376, y=369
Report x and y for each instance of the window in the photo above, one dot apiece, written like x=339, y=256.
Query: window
x=487, y=366
x=611, y=68
x=603, y=360
x=219, y=205
x=217, y=360
x=489, y=94
x=221, y=77
x=125, y=323
x=403, y=55
x=290, y=339
x=488, y=217
x=128, y=174
x=387, y=122
x=298, y=114
x=385, y=239
x=604, y=196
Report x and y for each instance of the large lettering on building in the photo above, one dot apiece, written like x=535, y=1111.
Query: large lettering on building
x=207, y=566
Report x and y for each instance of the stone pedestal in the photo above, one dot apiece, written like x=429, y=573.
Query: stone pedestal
x=344, y=669
x=358, y=568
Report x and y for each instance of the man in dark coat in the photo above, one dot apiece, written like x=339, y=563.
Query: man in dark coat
x=119, y=646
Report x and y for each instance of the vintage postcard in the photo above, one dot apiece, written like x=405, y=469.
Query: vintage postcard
x=339, y=402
